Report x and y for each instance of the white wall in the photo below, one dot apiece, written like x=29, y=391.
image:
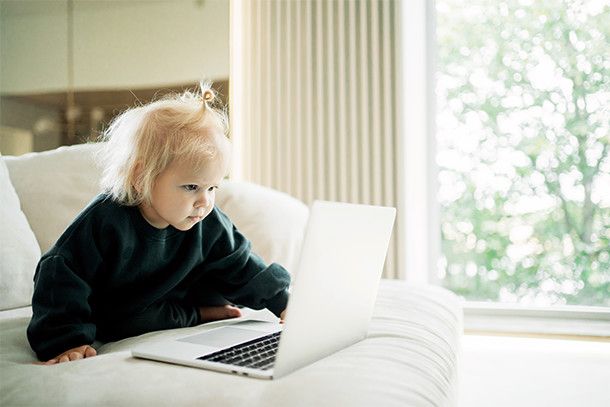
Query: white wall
x=32, y=46
x=116, y=44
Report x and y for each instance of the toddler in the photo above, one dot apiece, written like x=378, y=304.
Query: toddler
x=151, y=251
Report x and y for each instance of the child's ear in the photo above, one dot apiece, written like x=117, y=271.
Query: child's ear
x=137, y=177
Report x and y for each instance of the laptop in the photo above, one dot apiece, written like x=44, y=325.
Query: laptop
x=331, y=302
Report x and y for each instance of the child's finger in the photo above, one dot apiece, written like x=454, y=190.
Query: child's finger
x=89, y=352
x=75, y=355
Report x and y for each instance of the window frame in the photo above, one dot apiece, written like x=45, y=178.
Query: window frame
x=417, y=170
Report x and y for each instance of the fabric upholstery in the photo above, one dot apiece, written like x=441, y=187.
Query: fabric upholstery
x=19, y=250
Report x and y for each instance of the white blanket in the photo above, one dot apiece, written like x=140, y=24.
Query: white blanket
x=410, y=358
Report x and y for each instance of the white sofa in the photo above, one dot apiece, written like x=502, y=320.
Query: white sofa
x=409, y=358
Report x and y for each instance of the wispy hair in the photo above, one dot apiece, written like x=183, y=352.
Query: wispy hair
x=141, y=142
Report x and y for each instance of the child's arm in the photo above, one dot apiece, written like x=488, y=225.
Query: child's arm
x=240, y=275
x=61, y=312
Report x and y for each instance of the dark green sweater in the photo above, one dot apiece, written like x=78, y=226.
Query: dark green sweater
x=112, y=275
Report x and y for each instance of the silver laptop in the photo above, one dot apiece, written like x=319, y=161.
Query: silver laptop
x=330, y=307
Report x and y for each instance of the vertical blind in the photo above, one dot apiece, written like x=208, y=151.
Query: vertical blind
x=313, y=106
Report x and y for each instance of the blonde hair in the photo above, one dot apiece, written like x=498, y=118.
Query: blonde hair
x=141, y=142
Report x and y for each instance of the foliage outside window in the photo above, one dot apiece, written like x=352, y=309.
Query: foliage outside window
x=523, y=134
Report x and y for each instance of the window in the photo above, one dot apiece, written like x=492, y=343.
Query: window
x=523, y=134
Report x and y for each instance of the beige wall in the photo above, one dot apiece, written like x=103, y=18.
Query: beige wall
x=116, y=44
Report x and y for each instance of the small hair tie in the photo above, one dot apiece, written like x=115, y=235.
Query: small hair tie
x=208, y=95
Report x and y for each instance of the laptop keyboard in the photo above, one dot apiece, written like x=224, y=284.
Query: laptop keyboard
x=258, y=354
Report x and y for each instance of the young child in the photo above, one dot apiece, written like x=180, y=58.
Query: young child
x=152, y=251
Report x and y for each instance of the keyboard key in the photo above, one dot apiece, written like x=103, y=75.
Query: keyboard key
x=259, y=353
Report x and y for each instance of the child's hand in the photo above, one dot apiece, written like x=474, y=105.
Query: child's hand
x=80, y=352
x=282, y=317
x=218, y=312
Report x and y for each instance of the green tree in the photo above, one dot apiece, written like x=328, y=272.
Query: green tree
x=523, y=92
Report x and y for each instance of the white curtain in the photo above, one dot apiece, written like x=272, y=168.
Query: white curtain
x=314, y=100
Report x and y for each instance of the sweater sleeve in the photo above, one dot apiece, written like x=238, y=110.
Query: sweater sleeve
x=61, y=313
x=242, y=276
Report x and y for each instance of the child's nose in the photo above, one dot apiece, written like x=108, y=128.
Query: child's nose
x=203, y=201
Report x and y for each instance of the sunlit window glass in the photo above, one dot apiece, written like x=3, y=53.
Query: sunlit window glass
x=523, y=134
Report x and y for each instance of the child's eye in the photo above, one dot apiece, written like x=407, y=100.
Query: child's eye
x=190, y=187
x=210, y=189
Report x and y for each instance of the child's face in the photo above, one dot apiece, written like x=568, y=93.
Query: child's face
x=182, y=195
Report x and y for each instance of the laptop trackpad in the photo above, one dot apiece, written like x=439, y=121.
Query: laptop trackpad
x=222, y=337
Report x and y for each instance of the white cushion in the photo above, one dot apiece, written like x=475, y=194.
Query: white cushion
x=19, y=251
x=54, y=186
x=273, y=221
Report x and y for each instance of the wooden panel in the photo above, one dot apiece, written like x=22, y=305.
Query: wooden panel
x=107, y=102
